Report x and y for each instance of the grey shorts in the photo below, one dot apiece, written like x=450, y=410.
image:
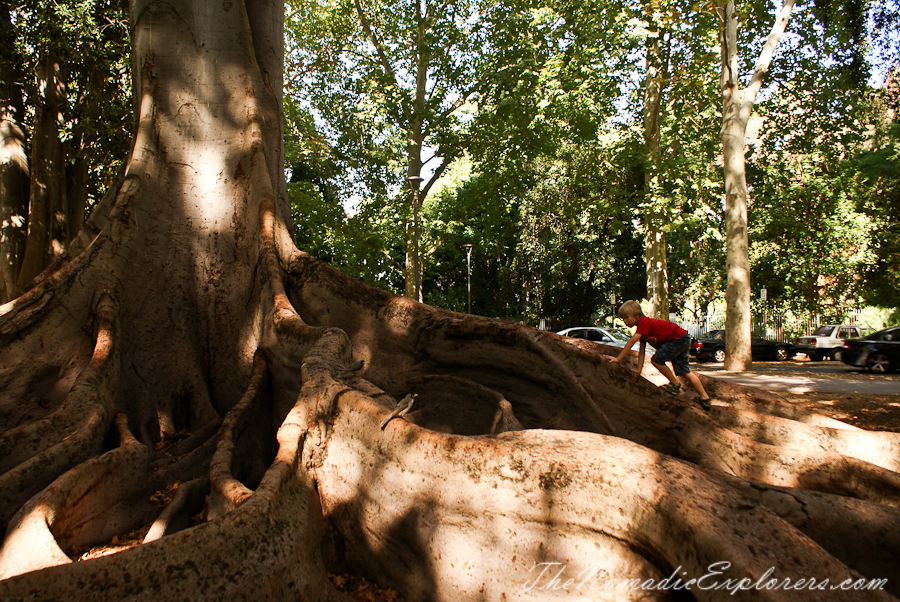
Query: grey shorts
x=675, y=351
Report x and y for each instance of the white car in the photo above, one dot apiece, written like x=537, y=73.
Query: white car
x=604, y=336
x=828, y=340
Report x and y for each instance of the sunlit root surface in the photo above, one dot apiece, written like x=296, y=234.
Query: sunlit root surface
x=597, y=480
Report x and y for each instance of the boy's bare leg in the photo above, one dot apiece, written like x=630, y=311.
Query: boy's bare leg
x=666, y=371
x=698, y=386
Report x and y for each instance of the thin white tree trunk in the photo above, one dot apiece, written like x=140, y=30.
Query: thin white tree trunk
x=736, y=109
x=654, y=237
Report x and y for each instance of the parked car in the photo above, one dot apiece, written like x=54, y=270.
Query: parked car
x=828, y=341
x=878, y=352
x=712, y=347
x=604, y=336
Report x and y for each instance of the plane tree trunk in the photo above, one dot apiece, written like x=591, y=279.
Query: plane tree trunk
x=655, y=253
x=737, y=105
x=184, y=390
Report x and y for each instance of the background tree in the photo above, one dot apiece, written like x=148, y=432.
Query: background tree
x=675, y=111
x=392, y=81
x=737, y=106
x=654, y=239
x=13, y=159
x=879, y=195
x=79, y=123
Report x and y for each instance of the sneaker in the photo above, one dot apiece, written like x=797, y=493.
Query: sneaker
x=704, y=403
x=673, y=388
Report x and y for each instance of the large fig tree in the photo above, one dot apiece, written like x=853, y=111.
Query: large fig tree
x=185, y=376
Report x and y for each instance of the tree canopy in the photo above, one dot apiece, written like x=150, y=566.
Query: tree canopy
x=558, y=77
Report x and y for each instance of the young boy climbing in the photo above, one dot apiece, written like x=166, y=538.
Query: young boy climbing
x=672, y=345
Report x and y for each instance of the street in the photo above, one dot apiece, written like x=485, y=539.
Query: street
x=803, y=376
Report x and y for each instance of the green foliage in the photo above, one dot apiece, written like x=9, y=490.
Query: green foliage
x=878, y=196
x=90, y=39
x=551, y=243
x=552, y=198
x=821, y=236
x=808, y=243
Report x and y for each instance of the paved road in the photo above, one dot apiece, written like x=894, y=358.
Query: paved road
x=815, y=377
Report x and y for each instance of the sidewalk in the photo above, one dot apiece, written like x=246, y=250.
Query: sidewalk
x=801, y=384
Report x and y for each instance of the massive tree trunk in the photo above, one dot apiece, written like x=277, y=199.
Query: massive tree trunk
x=188, y=383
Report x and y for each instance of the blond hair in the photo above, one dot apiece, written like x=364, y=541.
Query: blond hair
x=630, y=309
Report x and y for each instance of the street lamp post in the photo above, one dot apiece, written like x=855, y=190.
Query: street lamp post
x=469, y=279
x=612, y=301
x=414, y=182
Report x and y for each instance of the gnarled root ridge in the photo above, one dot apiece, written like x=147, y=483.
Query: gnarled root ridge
x=261, y=545
x=34, y=454
x=527, y=468
x=508, y=516
x=462, y=368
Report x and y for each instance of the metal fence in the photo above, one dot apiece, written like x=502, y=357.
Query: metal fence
x=775, y=327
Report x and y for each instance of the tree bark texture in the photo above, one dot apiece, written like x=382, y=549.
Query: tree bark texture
x=737, y=244
x=13, y=201
x=13, y=164
x=188, y=375
x=655, y=237
x=737, y=105
x=47, y=207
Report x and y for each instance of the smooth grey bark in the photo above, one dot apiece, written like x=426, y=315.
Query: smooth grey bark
x=655, y=253
x=737, y=106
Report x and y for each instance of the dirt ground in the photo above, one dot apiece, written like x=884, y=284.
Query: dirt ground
x=872, y=412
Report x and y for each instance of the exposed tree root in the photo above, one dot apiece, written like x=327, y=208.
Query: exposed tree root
x=586, y=502
x=228, y=490
x=878, y=448
x=862, y=535
x=89, y=504
x=35, y=454
x=189, y=499
x=813, y=459
x=259, y=551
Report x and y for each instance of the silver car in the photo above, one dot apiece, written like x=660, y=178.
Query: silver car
x=604, y=336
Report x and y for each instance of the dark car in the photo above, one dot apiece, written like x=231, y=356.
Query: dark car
x=878, y=352
x=712, y=347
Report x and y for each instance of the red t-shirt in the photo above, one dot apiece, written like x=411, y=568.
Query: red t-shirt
x=661, y=330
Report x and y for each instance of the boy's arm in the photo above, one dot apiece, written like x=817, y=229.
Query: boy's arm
x=627, y=348
x=642, y=349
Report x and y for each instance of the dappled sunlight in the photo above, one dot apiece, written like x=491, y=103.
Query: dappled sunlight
x=486, y=514
x=881, y=449
x=29, y=544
